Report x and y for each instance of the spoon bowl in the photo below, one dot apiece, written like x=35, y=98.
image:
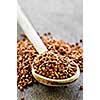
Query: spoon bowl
x=56, y=82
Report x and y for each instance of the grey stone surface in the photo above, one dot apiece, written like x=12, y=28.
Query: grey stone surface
x=64, y=18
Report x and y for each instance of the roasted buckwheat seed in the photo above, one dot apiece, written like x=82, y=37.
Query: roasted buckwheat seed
x=81, y=87
x=22, y=98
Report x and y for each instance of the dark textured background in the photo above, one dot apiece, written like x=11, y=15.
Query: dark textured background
x=64, y=18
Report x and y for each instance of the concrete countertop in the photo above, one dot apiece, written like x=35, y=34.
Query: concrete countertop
x=64, y=18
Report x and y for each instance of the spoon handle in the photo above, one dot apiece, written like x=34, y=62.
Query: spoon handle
x=30, y=31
